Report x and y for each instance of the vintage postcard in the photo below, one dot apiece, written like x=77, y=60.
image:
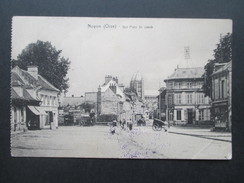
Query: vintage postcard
x=127, y=88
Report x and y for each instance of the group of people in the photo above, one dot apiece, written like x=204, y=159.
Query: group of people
x=122, y=124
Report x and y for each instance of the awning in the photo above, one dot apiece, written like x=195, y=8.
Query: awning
x=37, y=110
x=41, y=110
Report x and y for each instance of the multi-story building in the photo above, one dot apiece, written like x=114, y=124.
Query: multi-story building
x=137, y=84
x=39, y=89
x=108, y=99
x=221, y=95
x=161, y=113
x=185, y=100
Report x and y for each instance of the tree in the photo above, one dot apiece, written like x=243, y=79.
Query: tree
x=222, y=54
x=130, y=90
x=87, y=107
x=50, y=64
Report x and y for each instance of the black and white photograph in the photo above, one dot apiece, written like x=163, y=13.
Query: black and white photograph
x=123, y=88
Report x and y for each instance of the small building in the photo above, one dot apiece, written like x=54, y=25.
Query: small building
x=36, y=88
x=185, y=99
x=20, y=100
x=221, y=95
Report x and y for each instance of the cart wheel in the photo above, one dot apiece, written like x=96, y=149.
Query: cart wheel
x=157, y=128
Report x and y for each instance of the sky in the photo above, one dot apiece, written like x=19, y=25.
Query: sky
x=152, y=47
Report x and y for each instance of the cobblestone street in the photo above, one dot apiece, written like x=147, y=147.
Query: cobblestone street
x=141, y=142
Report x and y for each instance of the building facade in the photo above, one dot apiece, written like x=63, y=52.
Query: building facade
x=137, y=84
x=185, y=100
x=221, y=95
x=151, y=101
x=161, y=112
x=38, y=88
x=20, y=100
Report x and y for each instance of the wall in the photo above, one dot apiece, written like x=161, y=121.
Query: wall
x=109, y=103
x=49, y=104
x=91, y=97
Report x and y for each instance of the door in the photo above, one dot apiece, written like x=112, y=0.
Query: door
x=190, y=116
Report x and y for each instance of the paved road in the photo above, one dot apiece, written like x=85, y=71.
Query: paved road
x=141, y=142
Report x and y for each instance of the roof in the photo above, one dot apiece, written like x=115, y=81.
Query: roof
x=28, y=80
x=14, y=95
x=45, y=84
x=72, y=101
x=162, y=89
x=151, y=92
x=26, y=96
x=15, y=78
x=187, y=73
x=136, y=77
x=225, y=67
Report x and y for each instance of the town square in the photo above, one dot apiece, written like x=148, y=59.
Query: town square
x=119, y=88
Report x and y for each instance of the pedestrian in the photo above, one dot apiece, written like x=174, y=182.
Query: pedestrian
x=123, y=124
x=113, y=127
x=130, y=125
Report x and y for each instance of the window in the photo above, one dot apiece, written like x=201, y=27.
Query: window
x=43, y=99
x=178, y=85
x=223, y=89
x=170, y=99
x=199, y=84
x=178, y=98
x=189, y=85
x=51, y=99
x=54, y=100
x=201, y=114
x=171, y=115
x=216, y=88
x=48, y=100
x=189, y=98
x=178, y=116
x=213, y=96
x=170, y=85
x=200, y=98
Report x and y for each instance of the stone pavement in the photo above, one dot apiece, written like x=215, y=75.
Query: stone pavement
x=201, y=133
x=178, y=142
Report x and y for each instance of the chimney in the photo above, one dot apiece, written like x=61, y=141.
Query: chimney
x=33, y=71
x=107, y=78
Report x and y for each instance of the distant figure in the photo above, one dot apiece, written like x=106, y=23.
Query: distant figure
x=130, y=125
x=113, y=127
x=143, y=121
x=123, y=124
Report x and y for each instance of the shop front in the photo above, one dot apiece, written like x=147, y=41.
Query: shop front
x=220, y=115
x=36, y=117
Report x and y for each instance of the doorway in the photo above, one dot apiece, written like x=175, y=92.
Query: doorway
x=190, y=116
